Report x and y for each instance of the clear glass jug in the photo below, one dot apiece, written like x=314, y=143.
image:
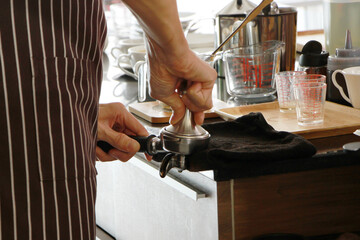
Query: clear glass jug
x=250, y=70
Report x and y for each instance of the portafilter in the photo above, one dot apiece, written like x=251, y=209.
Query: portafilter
x=179, y=140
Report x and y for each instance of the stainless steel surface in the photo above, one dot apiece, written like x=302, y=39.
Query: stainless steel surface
x=257, y=10
x=275, y=25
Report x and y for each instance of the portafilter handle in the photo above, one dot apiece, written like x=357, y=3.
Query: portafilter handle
x=149, y=144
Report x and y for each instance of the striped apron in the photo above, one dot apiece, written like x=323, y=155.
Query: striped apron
x=50, y=71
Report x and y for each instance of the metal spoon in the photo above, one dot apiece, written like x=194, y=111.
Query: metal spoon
x=247, y=19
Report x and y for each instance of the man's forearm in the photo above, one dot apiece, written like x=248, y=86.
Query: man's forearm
x=160, y=21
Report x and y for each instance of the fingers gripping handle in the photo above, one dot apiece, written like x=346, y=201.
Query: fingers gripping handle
x=144, y=141
x=106, y=147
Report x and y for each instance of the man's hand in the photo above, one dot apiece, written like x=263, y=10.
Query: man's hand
x=169, y=69
x=115, y=125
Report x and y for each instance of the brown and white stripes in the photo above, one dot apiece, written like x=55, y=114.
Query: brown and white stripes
x=50, y=71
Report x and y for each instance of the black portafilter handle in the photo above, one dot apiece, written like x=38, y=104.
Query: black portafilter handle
x=105, y=146
x=144, y=141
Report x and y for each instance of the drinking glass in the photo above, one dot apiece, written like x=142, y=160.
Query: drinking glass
x=310, y=102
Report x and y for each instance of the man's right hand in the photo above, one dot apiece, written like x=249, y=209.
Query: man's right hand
x=169, y=68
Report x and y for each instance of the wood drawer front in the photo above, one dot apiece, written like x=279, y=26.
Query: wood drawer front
x=309, y=203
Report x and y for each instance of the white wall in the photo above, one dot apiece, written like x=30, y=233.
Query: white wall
x=310, y=12
x=202, y=7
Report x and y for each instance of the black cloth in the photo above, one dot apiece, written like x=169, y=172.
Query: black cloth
x=247, y=141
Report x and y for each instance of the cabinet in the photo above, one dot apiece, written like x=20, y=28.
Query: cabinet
x=135, y=204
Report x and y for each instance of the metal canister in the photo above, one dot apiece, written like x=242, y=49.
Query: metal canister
x=275, y=23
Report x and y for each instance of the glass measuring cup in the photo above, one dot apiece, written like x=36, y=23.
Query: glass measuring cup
x=250, y=70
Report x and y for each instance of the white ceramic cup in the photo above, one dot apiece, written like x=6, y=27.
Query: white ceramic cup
x=123, y=46
x=352, y=79
x=135, y=56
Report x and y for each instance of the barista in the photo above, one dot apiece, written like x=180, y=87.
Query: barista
x=50, y=64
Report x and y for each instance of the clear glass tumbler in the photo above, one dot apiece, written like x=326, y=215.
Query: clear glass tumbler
x=284, y=81
x=310, y=102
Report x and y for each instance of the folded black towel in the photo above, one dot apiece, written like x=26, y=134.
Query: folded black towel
x=248, y=140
